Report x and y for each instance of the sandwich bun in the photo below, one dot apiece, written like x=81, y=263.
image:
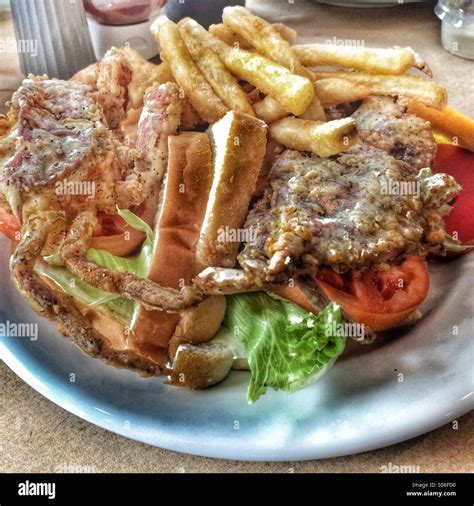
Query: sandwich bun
x=209, y=184
x=202, y=366
x=111, y=337
x=238, y=143
x=178, y=222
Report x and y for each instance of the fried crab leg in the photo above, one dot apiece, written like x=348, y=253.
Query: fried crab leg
x=159, y=119
x=151, y=295
x=60, y=307
x=224, y=281
x=113, y=78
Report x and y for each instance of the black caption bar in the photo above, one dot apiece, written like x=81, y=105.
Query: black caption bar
x=236, y=489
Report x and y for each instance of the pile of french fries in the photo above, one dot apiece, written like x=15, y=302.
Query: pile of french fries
x=249, y=65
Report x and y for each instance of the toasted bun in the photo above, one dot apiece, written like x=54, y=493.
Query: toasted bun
x=113, y=349
x=238, y=146
x=199, y=323
x=200, y=366
x=183, y=202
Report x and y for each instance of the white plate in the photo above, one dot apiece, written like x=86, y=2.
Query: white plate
x=406, y=384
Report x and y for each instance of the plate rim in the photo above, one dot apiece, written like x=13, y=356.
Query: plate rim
x=403, y=432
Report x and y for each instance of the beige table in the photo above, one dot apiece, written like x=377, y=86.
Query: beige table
x=36, y=435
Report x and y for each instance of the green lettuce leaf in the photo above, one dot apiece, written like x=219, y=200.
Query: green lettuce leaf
x=139, y=265
x=228, y=339
x=111, y=303
x=287, y=348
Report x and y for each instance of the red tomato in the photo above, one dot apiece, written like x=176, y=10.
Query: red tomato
x=109, y=224
x=115, y=236
x=379, y=300
x=112, y=234
x=459, y=163
x=9, y=225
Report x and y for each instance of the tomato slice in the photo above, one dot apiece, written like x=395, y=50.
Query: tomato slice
x=9, y=225
x=115, y=236
x=379, y=300
x=459, y=163
x=109, y=224
x=112, y=234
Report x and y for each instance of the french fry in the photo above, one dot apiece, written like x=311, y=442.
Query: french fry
x=269, y=110
x=334, y=91
x=286, y=32
x=224, y=33
x=373, y=60
x=427, y=92
x=324, y=139
x=294, y=93
x=315, y=111
x=262, y=36
x=222, y=81
x=447, y=120
x=269, y=42
x=191, y=80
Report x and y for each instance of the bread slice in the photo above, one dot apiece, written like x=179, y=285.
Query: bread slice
x=198, y=324
x=113, y=335
x=200, y=367
x=183, y=203
x=238, y=146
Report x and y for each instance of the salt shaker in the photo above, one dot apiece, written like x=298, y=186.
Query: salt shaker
x=57, y=31
x=457, y=26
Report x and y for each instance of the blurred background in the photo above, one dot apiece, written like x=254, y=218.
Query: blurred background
x=58, y=37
